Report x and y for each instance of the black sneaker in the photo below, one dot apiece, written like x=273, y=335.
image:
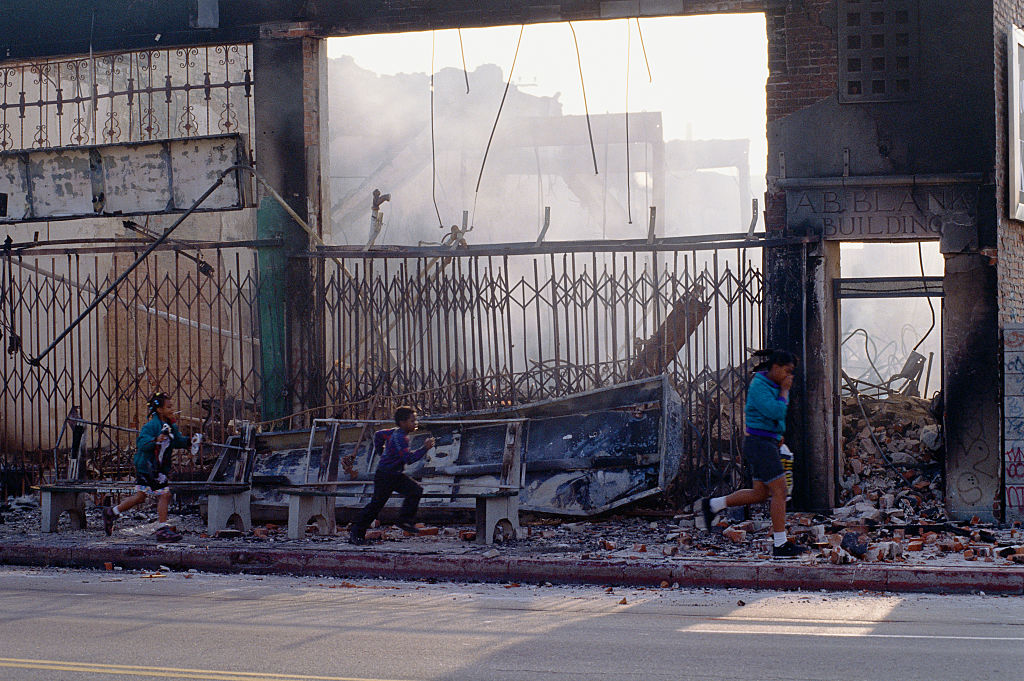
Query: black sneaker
x=709, y=515
x=108, y=520
x=787, y=550
x=408, y=526
x=357, y=539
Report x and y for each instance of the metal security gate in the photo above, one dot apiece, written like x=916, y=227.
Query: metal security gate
x=474, y=329
x=485, y=327
x=181, y=322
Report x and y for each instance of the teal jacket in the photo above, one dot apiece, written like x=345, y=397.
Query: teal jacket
x=765, y=411
x=146, y=449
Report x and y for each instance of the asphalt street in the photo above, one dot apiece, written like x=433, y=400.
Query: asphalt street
x=82, y=625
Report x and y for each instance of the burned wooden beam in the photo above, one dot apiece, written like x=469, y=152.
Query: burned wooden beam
x=658, y=351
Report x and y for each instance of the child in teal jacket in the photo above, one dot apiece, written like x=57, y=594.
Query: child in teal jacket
x=152, y=462
x=767, y=402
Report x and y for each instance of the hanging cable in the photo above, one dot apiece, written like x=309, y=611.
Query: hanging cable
x=583, y=88
x=433, y=155
x=931, y=306
x=465, y=71
x=650, y=79
x=629, y=200
x=487, y=149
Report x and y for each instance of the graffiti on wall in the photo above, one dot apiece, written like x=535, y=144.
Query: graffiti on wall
x=1013, y=421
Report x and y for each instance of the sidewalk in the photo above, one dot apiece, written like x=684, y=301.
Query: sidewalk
x=621, y=550
x=378, y=561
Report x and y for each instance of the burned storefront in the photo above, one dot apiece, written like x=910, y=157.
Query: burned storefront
x=887, y=131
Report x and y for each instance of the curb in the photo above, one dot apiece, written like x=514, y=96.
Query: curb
x=1007, y=580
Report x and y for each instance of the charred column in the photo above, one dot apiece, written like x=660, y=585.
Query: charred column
x=291, y=139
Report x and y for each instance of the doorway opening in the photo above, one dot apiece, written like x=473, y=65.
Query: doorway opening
x=889, y=314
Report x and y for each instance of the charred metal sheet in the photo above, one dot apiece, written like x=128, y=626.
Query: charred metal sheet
x=582, y=455
x=139, y=178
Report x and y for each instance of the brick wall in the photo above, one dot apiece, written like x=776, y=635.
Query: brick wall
x=1009, y=233
x=803, y=67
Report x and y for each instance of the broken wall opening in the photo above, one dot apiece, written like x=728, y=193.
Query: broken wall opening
x=696, y=151
x=890, y=456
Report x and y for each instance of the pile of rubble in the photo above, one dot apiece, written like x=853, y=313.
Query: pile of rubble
x=842, y=541
x=891, y=461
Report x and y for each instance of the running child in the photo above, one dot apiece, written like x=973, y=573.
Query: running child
x=767, y=402
x=390, y=476
x=152, y=464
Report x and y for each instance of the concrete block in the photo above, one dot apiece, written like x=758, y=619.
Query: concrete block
x=490, y=512
x=56, y=503
x=303, y=510
x=225, y=510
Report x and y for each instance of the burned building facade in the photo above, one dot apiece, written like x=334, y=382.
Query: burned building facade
x=888, y=121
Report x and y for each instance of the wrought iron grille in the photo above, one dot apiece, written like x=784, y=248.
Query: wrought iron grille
x=480, y=332
x=126, y=97
x=169, y=326
x=448, y=335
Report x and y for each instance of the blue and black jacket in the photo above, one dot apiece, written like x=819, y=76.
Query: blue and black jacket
x=396, y=450
x=766, y=409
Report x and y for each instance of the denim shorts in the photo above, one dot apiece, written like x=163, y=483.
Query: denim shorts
x=762, y=455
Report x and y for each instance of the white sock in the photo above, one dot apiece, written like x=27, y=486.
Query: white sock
x=717, y=504
x=779, y=537
x=117, y=511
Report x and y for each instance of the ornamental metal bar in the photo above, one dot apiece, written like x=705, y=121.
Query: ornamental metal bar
x=168, y=327
x=126, y=97
x=480, y=332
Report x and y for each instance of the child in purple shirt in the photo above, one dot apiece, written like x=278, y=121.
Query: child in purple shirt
x=390, y=476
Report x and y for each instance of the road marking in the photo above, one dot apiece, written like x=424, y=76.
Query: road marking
x=762, y=630
x=167, y=672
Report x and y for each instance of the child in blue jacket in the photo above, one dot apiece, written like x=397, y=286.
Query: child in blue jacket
x=152, y=461
x=390, y=475
x=767, y=402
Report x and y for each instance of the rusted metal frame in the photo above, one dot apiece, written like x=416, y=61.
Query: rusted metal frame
x=401, y=302
x=577, y=299
x=553, y=247
x=481, y=318
x=218, y=362
x=506, y=300
x=424, y=316
x=716, y=310
x=131, y=245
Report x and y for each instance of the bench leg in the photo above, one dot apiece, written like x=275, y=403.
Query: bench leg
x=301, y=510
x=490, y=512
x=222, y=508
x=55, y=503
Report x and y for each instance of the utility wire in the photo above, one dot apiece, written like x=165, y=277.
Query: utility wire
x=465, y=71
x=931, y=306
x=487, y=149
x=650, y=79
x=583, y=88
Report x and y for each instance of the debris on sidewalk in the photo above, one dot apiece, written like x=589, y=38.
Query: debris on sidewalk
x=843, y=537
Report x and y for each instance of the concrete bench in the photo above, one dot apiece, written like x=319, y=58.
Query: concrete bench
x=494, y=506
x=228, y=502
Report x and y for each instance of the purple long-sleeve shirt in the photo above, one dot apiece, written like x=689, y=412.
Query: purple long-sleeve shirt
x=396, y=450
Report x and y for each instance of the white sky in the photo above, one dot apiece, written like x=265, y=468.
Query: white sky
x=708, y=72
